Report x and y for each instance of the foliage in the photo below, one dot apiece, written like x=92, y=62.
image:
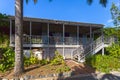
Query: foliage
x=3, y=16
x=108, y=62
x=58, y=59
x=30, y=61
x=7, y=60
x=110, y=31
x=43, y=62
x=7, y=54
x=4, y=41
x=2, y=22
x=114, y=50
x=63, y=69
x=115, y=12
x=104, y=63
x=34, y=60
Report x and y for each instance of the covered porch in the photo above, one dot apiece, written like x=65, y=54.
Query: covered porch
x=38, y=34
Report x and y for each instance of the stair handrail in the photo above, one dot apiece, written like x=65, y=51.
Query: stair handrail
x=81, y=49
x=98, y=45
x=89, y=52
x=87, y=49
x=93, y=45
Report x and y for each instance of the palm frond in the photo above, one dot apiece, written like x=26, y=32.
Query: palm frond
x=103, y=2
x=27, y=1
x=89, y=2
x=35, y=1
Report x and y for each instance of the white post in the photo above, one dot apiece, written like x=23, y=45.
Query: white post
x=77, y=35
x=30, y=34
x=77, y=39
x=71, y=54
x=48, y=32
x=11, y=31
x=102, y=42
x=102, y=36
x=48, y=39
x=63, y=41
x=103, y=51
x=90, y=33
x=91, y=40
x=93, y=35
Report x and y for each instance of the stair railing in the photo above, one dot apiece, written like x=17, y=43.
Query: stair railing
x=82, y=51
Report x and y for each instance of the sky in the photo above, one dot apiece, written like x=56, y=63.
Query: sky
x=68, y=10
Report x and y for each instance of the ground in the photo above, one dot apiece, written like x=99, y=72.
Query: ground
x=80, y=68
x=77, y=68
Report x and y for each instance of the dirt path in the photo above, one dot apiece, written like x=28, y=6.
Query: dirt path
x=79, y=68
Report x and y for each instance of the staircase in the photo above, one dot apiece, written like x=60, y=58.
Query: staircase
x=92, y=48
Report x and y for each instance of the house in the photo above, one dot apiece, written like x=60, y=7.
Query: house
x=68, y=38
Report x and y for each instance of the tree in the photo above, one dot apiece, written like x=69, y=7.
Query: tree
x=109, y=31
x=19, y=62
x=115, y=12
x=2, y=21
x=19, y=65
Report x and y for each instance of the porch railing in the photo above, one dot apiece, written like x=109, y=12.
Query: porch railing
x=36, y=39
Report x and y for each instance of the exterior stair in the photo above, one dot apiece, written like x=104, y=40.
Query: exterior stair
x=92, y=48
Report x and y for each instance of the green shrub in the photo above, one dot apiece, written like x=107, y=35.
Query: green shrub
x=108, y=62
x=104, y=63
x=30, y=61
x=58, y=59
x=43, y=62
x=4, y=41
x=114, y=50
x=63, y=69
x=7, y=60
x=6, y=54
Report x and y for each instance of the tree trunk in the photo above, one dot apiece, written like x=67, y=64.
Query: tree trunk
x=19, y=64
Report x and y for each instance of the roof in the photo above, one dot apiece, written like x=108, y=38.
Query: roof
x=59, y=22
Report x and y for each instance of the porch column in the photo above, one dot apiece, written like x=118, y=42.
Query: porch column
x=48, y=32
x=63, y=41
x=90, y=33
x=48, y=38
x=102, y=42
x=78, y=41
x=77, y=35
x=102, y=36
x=10, y=31
x=103, y=51
x=30, y=34
x=91, y=37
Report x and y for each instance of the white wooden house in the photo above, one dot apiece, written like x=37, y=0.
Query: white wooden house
x=68, y=38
